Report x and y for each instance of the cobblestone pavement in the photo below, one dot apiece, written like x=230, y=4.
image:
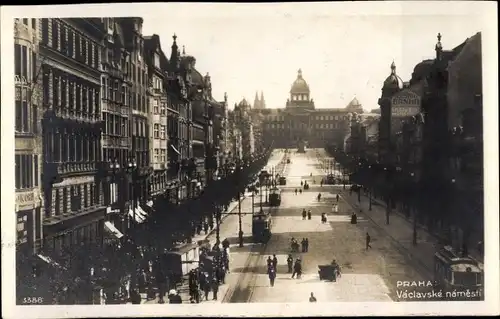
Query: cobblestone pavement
x=367, y=275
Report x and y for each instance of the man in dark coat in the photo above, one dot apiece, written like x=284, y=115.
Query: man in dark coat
x=289, y=262
x=307, y=244
x=269, y=261
x=275, y=262
x=297, y=269
x=303, y=244
x=215, y=288
x=272, y=275
x=135, y=297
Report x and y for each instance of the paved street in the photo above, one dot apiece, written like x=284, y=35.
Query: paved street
x=229, y=229
x=367, y=275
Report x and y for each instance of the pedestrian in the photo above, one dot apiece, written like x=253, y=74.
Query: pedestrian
x=289, y=262
x=301, y=183
x=205, y=227
x=303, y=245
x=272, y=275
x=295, y=191
x=135, y=297
x=309, y=214
x=312, y=298
x=300, y=191
x=304, y=214
x=297, y=269
x=338, y=197
x=225, y=243
x=215, y=288
x=198, y=229
x=206, y=286
x=319, y=197
x=368, y=240
x=275, y=262
x=307, y=244
x=269, y=261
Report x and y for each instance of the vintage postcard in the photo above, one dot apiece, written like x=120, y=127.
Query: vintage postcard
x=245, y=159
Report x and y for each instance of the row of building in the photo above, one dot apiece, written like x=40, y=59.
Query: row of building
x=424, y=148
x=106, y=125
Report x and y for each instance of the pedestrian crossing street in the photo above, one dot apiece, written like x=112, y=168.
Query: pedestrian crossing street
x=348, y=288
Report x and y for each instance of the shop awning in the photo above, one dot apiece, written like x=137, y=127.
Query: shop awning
x=173, y=147
x=49, y=261
x=142, y=212
x=112, y=229
x=139, y=218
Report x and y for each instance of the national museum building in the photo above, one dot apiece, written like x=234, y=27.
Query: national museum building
x=300, y=123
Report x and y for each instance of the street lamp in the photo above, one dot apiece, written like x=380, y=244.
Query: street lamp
x=360, y=179
x=132, y=169
x=414, y=209
x=370, y=188
x=388, y=197
x=240, y=232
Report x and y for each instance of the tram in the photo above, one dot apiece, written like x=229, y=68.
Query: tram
x=261, y=227
x=330, y=179
x=282, y=180
x=459, y=278
x=275, y=196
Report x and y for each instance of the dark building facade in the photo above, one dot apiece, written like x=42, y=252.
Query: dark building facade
x=28, y=142
x=70, y=51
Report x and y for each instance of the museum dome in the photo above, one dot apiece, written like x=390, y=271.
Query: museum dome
x=393, y=81
x=300, y=85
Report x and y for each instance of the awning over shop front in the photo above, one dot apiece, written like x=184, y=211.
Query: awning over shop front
x=175, y=150
x=49, y=261
x=112, y=229
x=138, y=215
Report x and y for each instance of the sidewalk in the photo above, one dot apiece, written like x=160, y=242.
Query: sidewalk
x=400, y=230
x=211, y=236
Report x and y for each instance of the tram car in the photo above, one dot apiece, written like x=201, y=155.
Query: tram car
x=275, y=197
x=330, y=179
x=455, y=275
x=261, y=227
x=282, y=180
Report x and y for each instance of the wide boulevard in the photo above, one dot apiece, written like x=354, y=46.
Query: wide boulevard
x=367, y=275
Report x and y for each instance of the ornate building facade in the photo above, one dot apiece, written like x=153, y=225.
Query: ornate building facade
x=28, y=142
x=71, y=129
x=158, y=129
x=299, y=122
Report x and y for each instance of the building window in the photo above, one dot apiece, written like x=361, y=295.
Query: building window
x=162, y=157
x=157, y=153
x=155, y=106
x=162, y=132
x=24, y=171
x=156, y=131
x=162, y=108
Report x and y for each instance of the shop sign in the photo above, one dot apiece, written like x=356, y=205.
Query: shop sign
x=404, y=104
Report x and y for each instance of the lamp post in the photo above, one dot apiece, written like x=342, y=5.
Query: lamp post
x=360, y=179
x=414, y=209
x=240, y=232
x=370, y=188
x=132, y=169
x=388, y=196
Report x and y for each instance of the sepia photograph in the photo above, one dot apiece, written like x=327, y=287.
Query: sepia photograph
x=276, y=154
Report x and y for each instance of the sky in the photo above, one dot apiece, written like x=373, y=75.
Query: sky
x=342, y=56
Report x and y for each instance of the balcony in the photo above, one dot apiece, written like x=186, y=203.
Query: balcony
x=67, y=168
x=111, y=107
x=115, y=142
